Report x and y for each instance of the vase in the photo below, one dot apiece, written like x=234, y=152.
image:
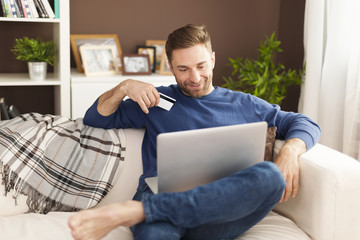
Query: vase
x=37, y=70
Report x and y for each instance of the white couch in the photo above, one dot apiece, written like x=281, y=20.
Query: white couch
x=326, y=208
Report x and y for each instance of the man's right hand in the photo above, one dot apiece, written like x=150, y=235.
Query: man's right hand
x=144, y=94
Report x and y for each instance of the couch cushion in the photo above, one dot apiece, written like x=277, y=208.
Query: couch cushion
x=274, y=226
x=54, y=226
x=8, y=206
x=50, y=226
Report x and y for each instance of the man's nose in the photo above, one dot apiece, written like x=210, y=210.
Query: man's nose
x=195, y=76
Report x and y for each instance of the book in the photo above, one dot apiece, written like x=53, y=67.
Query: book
x=43, y=8
x=48, y=8
x=2, y=2
x=13, y=12
x=18, y=7
x=25, y=11
x=33, y=10
x=6, y=8
x=4, y=109
x=57, y=8
x=39, y=9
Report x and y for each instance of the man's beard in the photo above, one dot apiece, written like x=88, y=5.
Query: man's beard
x=206, y=84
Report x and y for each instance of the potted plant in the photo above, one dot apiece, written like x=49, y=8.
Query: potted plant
x=262, y=77
x=37, y=53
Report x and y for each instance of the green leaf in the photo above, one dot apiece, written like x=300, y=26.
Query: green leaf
x=262, y=77
x=34, y=50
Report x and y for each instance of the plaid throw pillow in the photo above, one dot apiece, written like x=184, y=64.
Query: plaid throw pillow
x=270, y=143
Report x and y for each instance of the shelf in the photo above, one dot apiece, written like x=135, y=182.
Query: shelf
x=53, y=93
x=35, y=20
x=22, y=79
x=77, y=77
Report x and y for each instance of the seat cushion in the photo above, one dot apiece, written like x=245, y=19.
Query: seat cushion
x=274, y=226
x=54, y=226
x=50, y=226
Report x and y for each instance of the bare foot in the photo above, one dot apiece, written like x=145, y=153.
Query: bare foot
x=94, y=224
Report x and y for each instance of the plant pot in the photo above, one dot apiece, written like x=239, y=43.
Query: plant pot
x=37, y=70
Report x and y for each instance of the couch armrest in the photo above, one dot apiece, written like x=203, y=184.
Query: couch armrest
x=328, y=202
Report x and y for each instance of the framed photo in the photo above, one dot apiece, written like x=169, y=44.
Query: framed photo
x=160, y=46
x=99, y=60
x=151, y=51
x=164, y=65
x=78, y=40
x=136, y=64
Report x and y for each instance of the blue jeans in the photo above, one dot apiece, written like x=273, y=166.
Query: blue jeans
x=223, y=209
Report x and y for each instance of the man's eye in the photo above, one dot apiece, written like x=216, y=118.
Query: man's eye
x=182, y=70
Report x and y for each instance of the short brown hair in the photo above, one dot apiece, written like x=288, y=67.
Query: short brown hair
x=187, y=36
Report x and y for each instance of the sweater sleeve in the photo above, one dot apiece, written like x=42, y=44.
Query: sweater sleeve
x=296, y=125
x=289, y=124
x=127, y=115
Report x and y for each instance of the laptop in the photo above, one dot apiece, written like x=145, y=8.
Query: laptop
x=186, y=159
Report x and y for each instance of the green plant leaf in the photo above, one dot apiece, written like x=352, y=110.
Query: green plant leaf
x=262, y=77
x=34, y=50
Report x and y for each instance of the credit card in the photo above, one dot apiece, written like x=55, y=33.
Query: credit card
x=166, y=102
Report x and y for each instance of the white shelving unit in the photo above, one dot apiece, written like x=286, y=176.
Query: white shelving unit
x=40, y=20
x=22, y=79
x=60, y=79
x=85, y=90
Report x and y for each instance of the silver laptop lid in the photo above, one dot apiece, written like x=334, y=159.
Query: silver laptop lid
x=187, y=159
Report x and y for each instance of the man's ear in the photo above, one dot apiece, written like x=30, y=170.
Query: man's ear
x=213, y=59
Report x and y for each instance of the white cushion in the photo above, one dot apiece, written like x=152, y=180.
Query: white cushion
x=12, y=207
x=54, y=226
x=274, y=226
x=44, y=227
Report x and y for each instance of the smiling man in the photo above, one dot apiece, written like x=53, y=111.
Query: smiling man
x=223, y=209
x=195, y=78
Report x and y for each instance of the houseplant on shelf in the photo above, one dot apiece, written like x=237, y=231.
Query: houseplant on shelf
x=262, y=77
x=37, y=53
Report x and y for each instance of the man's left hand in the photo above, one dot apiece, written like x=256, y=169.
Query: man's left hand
x=287, y=161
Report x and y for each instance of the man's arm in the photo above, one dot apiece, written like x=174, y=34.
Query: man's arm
x=287, y=161
x=143, y=93
x=300, y=132
x=107, y=113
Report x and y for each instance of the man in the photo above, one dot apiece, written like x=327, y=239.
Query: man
x=220, y=210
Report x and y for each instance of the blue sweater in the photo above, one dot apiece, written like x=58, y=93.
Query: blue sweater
x=221, y=107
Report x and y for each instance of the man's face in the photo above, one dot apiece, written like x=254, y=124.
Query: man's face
x=193, y=70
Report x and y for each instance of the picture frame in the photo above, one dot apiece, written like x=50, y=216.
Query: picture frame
x=151, y=51
x=160, y=46
x=77, y=40
x=164, y=65
x=99, y=60
x=136, y=64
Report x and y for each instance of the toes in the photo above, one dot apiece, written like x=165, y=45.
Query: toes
x=73, y=223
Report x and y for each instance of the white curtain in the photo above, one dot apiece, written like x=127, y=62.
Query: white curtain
x=330, y=94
